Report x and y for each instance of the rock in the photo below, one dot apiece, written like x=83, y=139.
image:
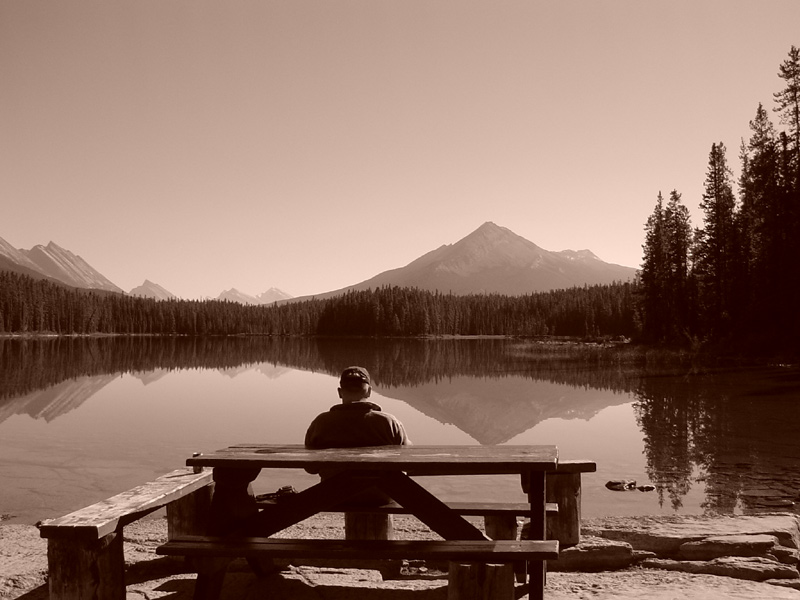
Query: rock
x=619, y=485
x=751, y=568
x=646, y=488
x=787, y=583
x=640, y=555
x=300, y=583
x=665, y=535
x=594, y=554
x=728, y=545
x=788, y=556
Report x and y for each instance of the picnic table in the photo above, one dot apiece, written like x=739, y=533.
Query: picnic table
x=238, y=528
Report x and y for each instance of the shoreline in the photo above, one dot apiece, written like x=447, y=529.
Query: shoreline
x=23, y=564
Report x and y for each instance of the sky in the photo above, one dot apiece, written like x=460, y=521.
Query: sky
x=309, y=145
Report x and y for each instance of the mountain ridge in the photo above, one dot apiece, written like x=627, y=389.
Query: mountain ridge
x=494, y=259
x=491, y=259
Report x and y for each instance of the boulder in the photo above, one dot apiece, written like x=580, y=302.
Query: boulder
x=665, y=535
x=788, y=556
x=594, y=554
x=754, y=568
x=728, y=545
x=313, y=583
x=787, y=583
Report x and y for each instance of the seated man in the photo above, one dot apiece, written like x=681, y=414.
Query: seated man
x=354, y=423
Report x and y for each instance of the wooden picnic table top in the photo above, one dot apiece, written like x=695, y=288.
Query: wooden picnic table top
x=416, y=460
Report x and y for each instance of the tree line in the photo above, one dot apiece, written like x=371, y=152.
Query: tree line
x=40, y=306
x=738, y=276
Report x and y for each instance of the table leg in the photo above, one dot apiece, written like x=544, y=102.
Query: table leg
x=232, y=503
x=536, y=497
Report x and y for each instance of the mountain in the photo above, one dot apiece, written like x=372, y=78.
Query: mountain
x=272, y=295
x=268, y=297
x=493, y=259
x=152, y=290
x=54, y=262
x=234, y=295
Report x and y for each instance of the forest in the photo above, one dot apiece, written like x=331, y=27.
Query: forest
x=737, y=277
x=39, y=306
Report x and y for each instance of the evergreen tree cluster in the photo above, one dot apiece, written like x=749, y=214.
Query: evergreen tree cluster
x=39, y=306
x=738, y=276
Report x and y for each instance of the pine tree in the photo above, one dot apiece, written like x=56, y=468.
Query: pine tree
x=714, y=244
x=788, y=101
x=788, y=106
x=679, y=239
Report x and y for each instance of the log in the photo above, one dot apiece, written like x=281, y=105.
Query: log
x=477, y=581
x=81, y=568
x=189, y=515
x=565, y=525
x=368, y=526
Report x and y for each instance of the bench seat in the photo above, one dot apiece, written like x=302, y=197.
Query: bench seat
x=485, y=551
x=467, y=509
x=107, y=516
x=85, y=557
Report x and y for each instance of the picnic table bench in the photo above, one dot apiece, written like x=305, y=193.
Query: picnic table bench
x=85, y=556
x=84, y=548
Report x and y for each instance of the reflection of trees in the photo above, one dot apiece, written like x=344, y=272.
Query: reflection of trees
x=736, y=429
x=34, y=364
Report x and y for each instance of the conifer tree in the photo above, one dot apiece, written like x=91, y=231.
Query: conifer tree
x=714, y=244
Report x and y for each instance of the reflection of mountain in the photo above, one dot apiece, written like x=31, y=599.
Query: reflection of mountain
x=236, y=371
x=148, y=377
x=272, y=371
x=28, y=365
x=493, y=411
x=55, y=401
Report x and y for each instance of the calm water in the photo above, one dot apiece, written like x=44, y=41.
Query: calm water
x=81, y=420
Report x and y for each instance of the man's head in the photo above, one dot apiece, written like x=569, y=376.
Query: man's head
x=354, y=384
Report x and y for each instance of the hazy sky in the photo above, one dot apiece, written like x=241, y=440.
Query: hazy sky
x=309, y=145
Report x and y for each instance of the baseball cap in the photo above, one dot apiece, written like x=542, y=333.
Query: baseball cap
x=354, y=377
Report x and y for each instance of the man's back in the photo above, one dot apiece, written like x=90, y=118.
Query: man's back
x=355, y=424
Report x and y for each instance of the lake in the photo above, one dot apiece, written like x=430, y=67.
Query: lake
x=84, y=419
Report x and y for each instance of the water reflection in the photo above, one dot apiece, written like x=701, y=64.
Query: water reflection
x=739, y=429
x=728, y=437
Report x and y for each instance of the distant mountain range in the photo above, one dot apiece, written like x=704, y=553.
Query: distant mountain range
x=491, y=259
x=268, y=297
x=152, y=290
x=55, y=263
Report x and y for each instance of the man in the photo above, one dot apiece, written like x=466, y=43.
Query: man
x=355, y=422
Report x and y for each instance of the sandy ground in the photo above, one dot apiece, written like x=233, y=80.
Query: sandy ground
x=23, y=568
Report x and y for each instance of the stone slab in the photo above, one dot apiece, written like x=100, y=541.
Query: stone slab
x=728, y=545
x=665, y=535
x=754, y=568
x=594, y=554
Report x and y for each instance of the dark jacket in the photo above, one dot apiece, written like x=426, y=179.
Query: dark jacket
x=354, y=425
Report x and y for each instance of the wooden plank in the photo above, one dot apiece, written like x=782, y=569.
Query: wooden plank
x=79, y=569
x=480, y=581
x=537, y=569
x=468, y=550
x=322, y=497
x=576, y=466
x=104, y=517
x=417, y=460
x=428, y=508
x=467, y=509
